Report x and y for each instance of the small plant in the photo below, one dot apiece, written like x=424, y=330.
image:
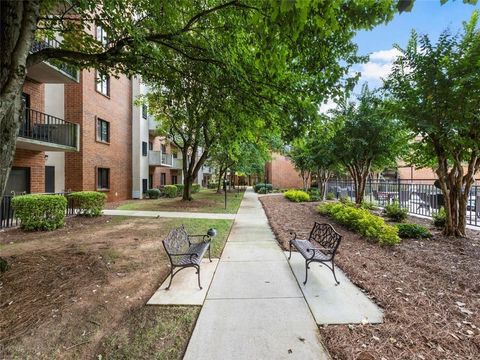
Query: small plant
x=170, y=191
x=367, y=205
x=362, y=221
x=330, y=196
x=153, y=193
x=440, y=218
x=89, y=203
x=262, y=190
x=346, y=200
x=413, y=231
x=40, y=212
x=195, y=188
x=179, y=189
x=258, y=186
x=395, y=212
x=297, y=195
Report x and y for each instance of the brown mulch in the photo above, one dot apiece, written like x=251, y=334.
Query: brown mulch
x=429, y=289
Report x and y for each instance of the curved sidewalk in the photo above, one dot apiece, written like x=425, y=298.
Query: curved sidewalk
x=254, y=308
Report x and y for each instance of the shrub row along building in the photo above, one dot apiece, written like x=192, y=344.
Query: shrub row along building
x=83, y=131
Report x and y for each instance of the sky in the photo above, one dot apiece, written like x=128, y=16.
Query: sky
x=427, y=17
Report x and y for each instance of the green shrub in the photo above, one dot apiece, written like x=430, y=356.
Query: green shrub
x=171, y=191
x=212, y=185
x=40, y=212
x=395, y=212
x=367, y=205
x=330, y=196
x=153, y=193
x=346, y=200
x=440, y=218
x=179, y=189
x=362, y=221
x=88, y=203
x=413, y=231
x=262, y=190
x=195, y=188
x=297, y=195
x=258, y=186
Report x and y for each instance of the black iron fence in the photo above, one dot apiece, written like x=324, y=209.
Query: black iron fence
x=419, y=197
x=7, y=213
x=47, y=128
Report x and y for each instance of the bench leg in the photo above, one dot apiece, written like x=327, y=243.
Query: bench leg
x=209, y=254
x=198, y=272
x=306, y=272
x=334, y=276
x=171, y=278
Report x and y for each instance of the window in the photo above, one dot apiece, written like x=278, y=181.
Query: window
x=164, y=148
x=103, y=130
x=101, y=35
x=103, y=178
x=144, y=185
x=150, y=145
x=163, y=178
x=174, y=179
x=175, y=154
x=102, y=83
x=144, y=148
x=144, y=111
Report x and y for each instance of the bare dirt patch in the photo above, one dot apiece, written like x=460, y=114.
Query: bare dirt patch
x=68, y=292
x=430, y=290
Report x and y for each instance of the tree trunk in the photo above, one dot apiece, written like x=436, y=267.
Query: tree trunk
x=219, y=183
x=18, y=21
x=187, y=188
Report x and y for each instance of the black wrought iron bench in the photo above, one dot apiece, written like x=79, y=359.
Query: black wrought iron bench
x=184, y=253
x=321, y=246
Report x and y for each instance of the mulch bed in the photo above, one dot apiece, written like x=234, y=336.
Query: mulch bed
x=429, y=289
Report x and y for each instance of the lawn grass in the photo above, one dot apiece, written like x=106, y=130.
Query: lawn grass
x=200, y=227
x=152, y=332
x=207, y=200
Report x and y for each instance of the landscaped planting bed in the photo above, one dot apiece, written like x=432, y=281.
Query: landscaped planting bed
x=80, y=291
x=429, y=289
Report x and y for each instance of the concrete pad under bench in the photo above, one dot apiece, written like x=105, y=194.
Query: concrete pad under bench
x=253, y=279
x=255, y=329
x=184, y=289
x=330, y=304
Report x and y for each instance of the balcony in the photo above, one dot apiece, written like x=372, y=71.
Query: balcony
x=177, y=164
x=51, y=71
x=157, y=158
x=43, y=132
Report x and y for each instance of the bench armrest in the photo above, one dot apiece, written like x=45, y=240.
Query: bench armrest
x=205, y=238
x=292, y=233
x=192, y=255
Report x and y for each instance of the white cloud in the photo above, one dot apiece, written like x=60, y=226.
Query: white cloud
x=329, y=105
x=378, y=67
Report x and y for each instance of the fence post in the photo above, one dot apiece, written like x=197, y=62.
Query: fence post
x=336, y=188
x=370, y=185
x=398, y=191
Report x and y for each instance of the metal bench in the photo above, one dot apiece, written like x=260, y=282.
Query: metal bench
x=321, y=246
x=184, y=253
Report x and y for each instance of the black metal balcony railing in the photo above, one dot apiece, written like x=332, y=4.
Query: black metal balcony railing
x=38, y=45
x=47, y=128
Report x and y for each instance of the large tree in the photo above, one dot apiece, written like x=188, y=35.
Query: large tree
x=367, y=138
x=437, y=93
x=291, y=38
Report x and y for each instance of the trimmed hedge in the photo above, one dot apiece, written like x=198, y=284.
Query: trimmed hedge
x=170, y=191
x=258, y=186
x=153, y=193
x=413, y=231
x=195, y=188
x=362, y=221
x=40, y=212
x=395, y=212
x=179, y=189
x=297, y=195
x=89, y=203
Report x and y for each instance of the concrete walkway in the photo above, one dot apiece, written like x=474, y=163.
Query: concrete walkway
x=168, y=214
x=254, y=308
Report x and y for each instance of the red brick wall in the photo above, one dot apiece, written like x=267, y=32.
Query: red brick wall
x=35, y=160
x=282, y=174
x=83, y=104
x=157, y=170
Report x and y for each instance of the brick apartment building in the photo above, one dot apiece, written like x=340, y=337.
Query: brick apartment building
x=84, y=131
